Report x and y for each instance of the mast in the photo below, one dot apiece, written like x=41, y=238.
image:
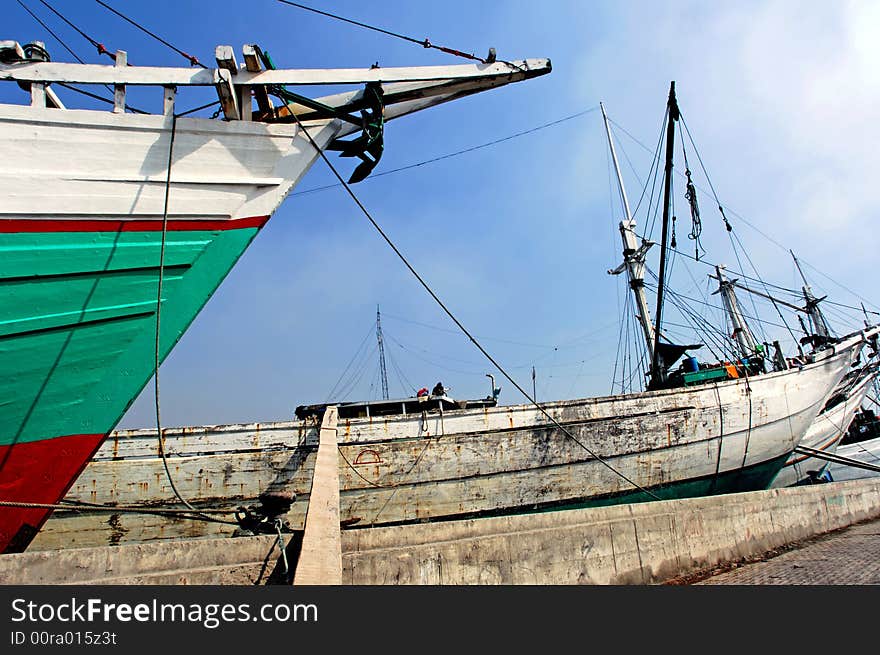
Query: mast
x=813, y=310
x=745, y=340
x=633, y=254
x=658, y=368
x=383, y=374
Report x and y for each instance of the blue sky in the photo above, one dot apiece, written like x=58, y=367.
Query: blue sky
x=516, y=238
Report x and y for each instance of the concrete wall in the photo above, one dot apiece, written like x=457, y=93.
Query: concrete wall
x=624, y=544
x=192, y=561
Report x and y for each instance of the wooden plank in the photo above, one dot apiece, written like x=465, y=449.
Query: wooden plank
x=72, y=530
x=206, y=440
x=320, y=561
x=206, y=480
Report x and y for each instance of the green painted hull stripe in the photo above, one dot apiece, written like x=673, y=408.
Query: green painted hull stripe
x=752, y=478
x=78, y=320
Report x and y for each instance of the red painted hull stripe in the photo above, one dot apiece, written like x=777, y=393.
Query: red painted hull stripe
x=38, y=472
x=15, y=225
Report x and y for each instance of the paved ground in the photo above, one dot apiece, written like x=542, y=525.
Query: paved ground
x=846, y=557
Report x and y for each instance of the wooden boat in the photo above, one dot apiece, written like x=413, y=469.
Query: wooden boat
x=807, y=465
x=716, y=437
x=827, y=430
x=858, y=454
x=701, y=430
x=866, y=452
x=101, y=209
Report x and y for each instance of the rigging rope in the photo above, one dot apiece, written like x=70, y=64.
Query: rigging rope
x=134, y=110
x=698, y=301
x=464, y=330
x=425, y=43
x=836, y=283
x=766, y=290
x=192, y=59
x=655, y=160
x=728, y=226
x=99, y=46
x=49, y=30
x=159, y=314
x=75, y=56
x=350, y=362
x=690, y=195
x=485, y=338
x=654, y=181
x=158, y=317
x=457, y=153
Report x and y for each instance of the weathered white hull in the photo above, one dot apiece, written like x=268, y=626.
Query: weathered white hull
x=825, y=433
x=731, y=436
x=97, y=165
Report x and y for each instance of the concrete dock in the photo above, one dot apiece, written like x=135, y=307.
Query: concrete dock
x=644, y=543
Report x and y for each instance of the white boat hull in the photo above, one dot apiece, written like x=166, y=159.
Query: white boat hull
x=713, y=438
x=862, y=451
x=825, y=433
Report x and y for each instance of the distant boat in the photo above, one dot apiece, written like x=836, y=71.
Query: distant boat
x=867, y=452
x=698, y=429
x=833, y=423
x=861, y=445
x=827, y=430
x=95, y=204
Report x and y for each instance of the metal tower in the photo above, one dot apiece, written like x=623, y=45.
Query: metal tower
x=382, y=372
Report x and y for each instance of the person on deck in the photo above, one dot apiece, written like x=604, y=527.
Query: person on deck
x=438, y=390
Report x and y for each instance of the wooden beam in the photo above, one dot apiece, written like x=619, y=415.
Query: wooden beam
x=168, y=100
x=159, y=76
x=252, y=64
x=251, y=60
x=53, y=100
x=119, y=92
x=245, y=102
x=38, y=94
x=320, y=560
x=227, y=94
x=226, y=58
